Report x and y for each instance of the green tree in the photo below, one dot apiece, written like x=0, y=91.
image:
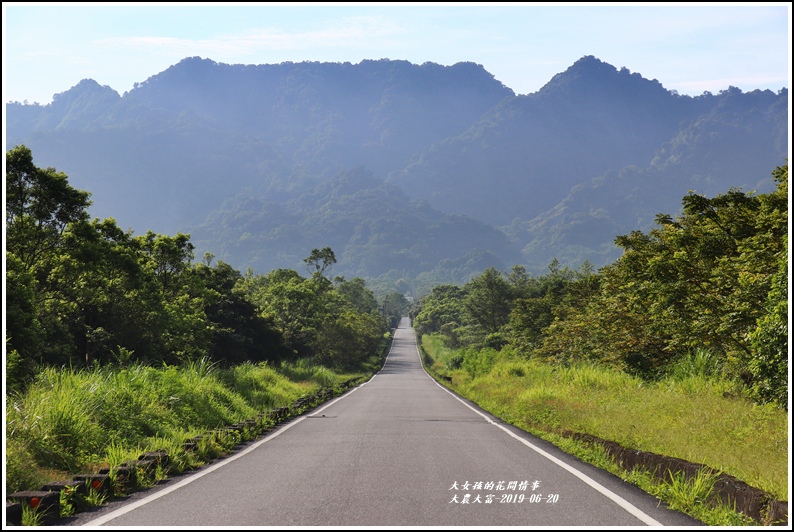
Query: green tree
x=168, y=258
x=604, y=322
x=769, y=363
x=291, y=302
x=705, y=275
x=440, y=311
x=316, y=320
x=40, y=204
x=394, y=306
x=320, y=260
x=357, y=294
x=93, y=289
x=178, y=298
x=542, y=300
x=703, y=279
x=487, y=305
x=239, y=333
x=344, y=336
x=23, y=328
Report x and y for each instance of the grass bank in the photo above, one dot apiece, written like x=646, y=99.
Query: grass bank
x=691, y=415
x=71, y=422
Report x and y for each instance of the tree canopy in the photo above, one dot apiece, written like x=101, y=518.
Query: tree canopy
x=714, y=278
x=84, y=292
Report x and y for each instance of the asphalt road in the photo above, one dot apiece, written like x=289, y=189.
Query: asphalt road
x=397, y=451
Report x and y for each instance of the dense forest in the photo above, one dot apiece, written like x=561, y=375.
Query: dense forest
x=117, y=342
x=711, y=282
x=81, y=292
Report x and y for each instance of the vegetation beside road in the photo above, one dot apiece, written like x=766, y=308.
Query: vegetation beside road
x=691, y=415
x=713, y=279
x=118, y=343
x=679, y=347
x=83, y=420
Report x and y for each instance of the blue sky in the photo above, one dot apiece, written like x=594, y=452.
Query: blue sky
x=691, y=48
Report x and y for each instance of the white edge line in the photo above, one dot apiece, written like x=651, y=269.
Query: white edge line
x=633, y=510
x=195, y=476
x=620, y=501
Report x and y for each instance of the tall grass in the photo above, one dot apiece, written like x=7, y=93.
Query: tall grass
x=58, y=419
x=692, y=414
x=76, y=421
x=700, y=363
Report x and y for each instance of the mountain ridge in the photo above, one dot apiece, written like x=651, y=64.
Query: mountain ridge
x=167, y=154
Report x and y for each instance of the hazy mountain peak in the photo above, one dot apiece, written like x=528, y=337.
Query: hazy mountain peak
x=190, y=70
x=340, y=151
x=591, y=62
x=590, y=75
x=86, y=88
x=84, y=106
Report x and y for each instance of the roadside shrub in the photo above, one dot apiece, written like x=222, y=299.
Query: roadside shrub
x=131, y=404
x=696, y=363
x=324, y=377
x=21, y=469
x=297, y=371
x=455, y=361
x=478, y=362
x=56, y=419
x=769, y=364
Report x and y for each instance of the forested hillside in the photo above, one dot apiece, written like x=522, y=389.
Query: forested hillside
x=382, y=232
x=245, y=158
x=273, y=218
x=84, y=293
x=156, y=347
x=708, y=286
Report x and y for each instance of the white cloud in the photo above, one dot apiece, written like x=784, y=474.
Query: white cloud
x=345, y=33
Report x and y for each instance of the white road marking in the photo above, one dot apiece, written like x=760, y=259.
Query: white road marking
x=146, y=500
x=633, y=510
x=620, y=501
x=195, y=476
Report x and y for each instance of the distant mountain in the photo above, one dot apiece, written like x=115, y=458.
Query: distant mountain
x=406, y=171
x=372, y=227
x=529, y=152
x=200, y=131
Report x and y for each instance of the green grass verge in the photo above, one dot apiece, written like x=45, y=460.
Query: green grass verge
x=69, y=422
x=692, y=417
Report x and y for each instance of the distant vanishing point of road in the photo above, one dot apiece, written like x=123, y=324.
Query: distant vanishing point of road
x=399, y=450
